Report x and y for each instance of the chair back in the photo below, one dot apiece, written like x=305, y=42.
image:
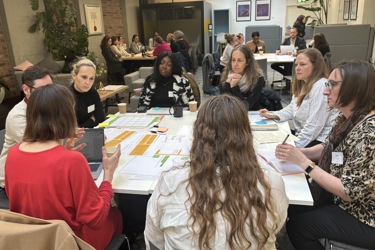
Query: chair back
x=263, y=65
x=194, y=87
x=327, y=60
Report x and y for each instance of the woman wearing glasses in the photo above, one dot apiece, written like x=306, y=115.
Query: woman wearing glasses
x=344, y=180
x=308, y=109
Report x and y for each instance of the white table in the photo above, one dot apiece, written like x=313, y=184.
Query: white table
x=272, y=57
x=296, y=186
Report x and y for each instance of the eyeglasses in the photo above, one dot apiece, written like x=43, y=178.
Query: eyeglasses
x=330, y=84
x=30, y=87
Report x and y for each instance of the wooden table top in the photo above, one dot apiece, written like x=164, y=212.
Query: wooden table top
x=106, y=93
x=139, y=57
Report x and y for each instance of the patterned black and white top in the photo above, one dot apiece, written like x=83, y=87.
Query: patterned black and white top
x=357, y=173
x=179, y=86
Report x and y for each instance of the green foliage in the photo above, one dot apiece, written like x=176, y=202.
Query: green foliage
x=320, y=10
x=59, y=25
x=100, y=70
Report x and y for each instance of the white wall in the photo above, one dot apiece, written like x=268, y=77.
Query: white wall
x=132, y=14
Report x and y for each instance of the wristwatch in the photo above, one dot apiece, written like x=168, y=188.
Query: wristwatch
x=309, y=168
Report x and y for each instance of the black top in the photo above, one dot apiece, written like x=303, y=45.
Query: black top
x=300, y=43
x=300, y=28
x=323, y=49
x=113, y=64
x=175, y=47
x=85, y=102
x=161, y=96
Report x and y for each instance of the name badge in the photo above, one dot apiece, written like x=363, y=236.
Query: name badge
x=91, y=108
x=260, y=47
x=170, y=93
x=337, y=158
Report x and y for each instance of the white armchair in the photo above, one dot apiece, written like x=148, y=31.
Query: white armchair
x=134, y=81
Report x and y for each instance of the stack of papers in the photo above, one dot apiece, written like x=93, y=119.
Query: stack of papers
x=259, y=123
x=111, y=87
x=158, y=111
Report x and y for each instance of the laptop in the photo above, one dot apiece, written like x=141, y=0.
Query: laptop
x=94, y=139
x=285, y=48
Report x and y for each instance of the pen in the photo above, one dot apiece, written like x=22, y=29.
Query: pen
x=286, y=138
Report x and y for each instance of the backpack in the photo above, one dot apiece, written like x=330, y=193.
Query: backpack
x=270, y=99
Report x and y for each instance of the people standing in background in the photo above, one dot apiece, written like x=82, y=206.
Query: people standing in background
x=221, y=198
x=89, y=108
x=320, y=43
x=135, y=46
x=224, y=59
x=256, y=44
x=152, y=42
x=300, y=24
x=160, y=47
x=308, y=108
x=243, y=78
x=47, y=181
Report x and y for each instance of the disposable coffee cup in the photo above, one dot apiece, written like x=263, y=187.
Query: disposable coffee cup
x=261, y=52
x=290, y=53
x=277, y=52
x=193, y=105
x=122, y=108
x=111, y=151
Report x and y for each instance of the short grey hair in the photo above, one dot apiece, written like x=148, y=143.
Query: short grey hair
x=178, y=34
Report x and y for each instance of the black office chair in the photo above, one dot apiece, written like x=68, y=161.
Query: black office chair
x=117, y=241
x=336, y=245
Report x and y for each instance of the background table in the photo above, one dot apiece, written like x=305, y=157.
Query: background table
x=105, y=94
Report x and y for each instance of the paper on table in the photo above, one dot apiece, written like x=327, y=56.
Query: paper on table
x=273, y=136
x=112, y=87
x=259, y=123
x=158, y=111
x=283, y=167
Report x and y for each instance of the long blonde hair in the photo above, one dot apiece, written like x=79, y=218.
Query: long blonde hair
x=301, y=88
x=223, y=161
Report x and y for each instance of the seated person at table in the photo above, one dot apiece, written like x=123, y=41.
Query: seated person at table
x=161, y=46
x=320, y=43
x=175, y=47
x=135, y=46
x=152, y=42
x=89, y=108
x=256, y=44
x=298, y=43
x=308, y=108
x=343, y=183
x=166, y=87
x=47, y=181
x=240, y=39
x=224, y=59
x=122, y=46
x=114, y=63
x=33, y=77
x=242, y=77
x=222, y=198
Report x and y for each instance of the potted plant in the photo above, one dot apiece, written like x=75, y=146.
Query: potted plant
x=320, y=10
x=60, y=26
x=3, y=88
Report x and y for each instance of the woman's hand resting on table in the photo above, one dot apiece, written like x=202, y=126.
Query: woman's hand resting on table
x=269, y=115
x=287, y=152
x=110, y=163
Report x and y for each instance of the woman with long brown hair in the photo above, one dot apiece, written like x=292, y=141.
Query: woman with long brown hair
x=221, y=198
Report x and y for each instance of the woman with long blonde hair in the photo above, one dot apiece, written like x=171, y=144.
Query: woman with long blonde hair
x=221, y=198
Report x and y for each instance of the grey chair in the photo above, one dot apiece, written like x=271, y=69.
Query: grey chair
x=263, y=65
x=327, y=60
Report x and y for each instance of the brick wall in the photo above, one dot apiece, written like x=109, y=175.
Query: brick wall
x=112, y=18
x=6, y=69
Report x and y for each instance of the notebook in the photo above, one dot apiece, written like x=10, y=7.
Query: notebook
x=94, y=139
x=285, y=48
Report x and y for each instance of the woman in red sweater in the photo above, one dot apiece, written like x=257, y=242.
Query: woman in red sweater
x=46, y=180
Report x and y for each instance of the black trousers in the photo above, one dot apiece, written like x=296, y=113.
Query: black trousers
x=283, y=68
x=331, y=222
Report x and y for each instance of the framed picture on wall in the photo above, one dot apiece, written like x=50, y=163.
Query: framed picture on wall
x=262, y=10
x=94, y=20
x=346, y=9
x=243, y=11
x=353, y=9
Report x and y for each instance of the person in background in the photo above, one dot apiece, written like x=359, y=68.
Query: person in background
x=114, y=64
x=122, y=46
x=224, y=59
x=256, y=44
x=179, y=37
x=343, y=181
x=152, y=42
x=184, y=47
x=221, y=198
x=166, y=86
x=114, y=46
x=300, y=24
x=308, y=108
x=175, y=47
x=320, y=43
x=240, y=39
x=161, y=46
x=89, y=108
x=47, y=181
x=243, y=78
x=135, y=46
x=32, y=78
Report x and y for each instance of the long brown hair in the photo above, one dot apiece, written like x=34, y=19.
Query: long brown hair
x=223, y=161
x=301, y=88
x=252, y=71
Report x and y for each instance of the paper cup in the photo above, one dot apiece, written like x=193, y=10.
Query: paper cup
x=193, y=105
x=111, y=151
x=122, y=108
x=277, y=52
x=290, y=53
x=261, y=52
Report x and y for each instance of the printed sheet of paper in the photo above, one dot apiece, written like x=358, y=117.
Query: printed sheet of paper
x=273, y=136
x=134, y=121
x=169, y=145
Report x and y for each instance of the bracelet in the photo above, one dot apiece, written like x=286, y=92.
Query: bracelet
x=309, y=168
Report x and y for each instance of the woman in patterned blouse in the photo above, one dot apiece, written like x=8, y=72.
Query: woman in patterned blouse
x=343, y=183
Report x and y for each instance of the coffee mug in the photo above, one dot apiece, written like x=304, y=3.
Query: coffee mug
x=177, y=110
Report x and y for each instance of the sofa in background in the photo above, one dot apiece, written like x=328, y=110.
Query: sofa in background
x=134, y=81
